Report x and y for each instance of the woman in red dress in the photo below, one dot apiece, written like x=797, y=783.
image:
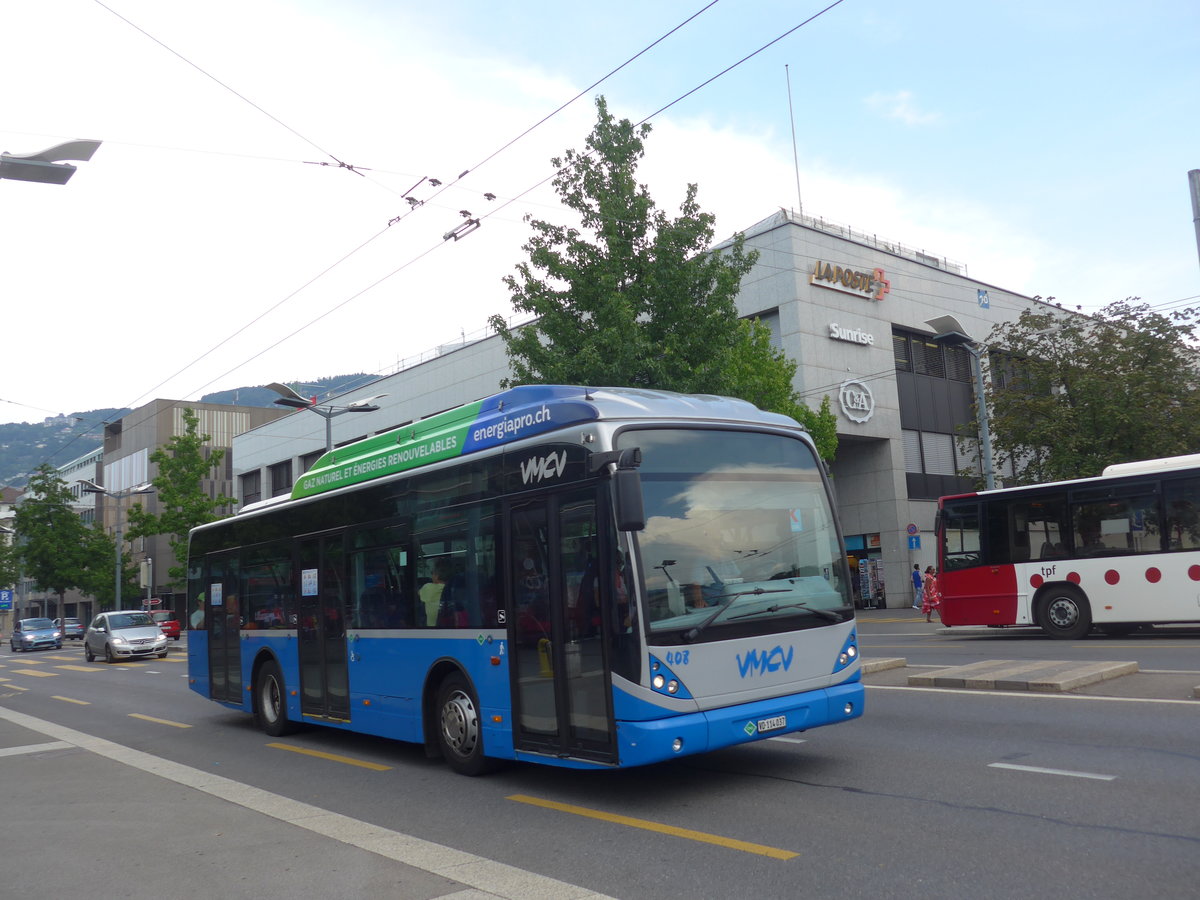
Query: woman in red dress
x=931, y=595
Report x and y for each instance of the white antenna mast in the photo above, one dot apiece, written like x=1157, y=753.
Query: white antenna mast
x=795, y=155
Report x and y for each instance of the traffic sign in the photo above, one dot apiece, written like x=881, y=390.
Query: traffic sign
x=6, y=599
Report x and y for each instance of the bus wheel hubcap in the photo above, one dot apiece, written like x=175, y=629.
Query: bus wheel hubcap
x=1063, y=613
x=460, y=725
x=270, y=698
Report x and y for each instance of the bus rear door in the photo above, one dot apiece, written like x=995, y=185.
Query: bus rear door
x=321, y=629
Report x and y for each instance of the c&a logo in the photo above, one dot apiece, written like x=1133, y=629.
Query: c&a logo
x=760, y=662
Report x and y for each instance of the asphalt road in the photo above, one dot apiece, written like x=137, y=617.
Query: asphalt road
x=933, y=793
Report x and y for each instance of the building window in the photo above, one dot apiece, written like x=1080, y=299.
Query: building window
x=308, y=459
x=901, y=348
x=912, y=451
x=770, y=318
x=927, y=358
x=938, y=451
x=281, y=478
x=958, y=364
x=251, y=487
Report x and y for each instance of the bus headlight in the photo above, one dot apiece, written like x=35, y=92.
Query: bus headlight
x=672, y=686
x=658, y=682
x=677, y=744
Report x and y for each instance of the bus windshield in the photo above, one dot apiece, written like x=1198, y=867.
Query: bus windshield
x=738, y=530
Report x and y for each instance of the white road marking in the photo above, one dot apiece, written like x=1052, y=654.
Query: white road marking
x=1027, y=695
x=1041, y=771
x=492, y=878
x=35, y=748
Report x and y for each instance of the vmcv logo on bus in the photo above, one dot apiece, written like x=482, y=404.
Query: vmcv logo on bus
x=540, y=468
x=758, y=662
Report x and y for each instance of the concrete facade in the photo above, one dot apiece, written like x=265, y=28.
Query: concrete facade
x=844, y=305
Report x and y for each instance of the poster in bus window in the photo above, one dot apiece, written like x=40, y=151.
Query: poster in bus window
x=308, y=583
x=215, y=597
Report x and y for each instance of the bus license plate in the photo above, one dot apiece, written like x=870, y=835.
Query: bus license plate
x=772, y=724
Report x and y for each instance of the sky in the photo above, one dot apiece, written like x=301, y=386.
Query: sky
x=214, y=241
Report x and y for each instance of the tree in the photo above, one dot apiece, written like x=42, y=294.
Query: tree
x=10, y=564
x=52, y=539
x=182, y=465
x=640, y=300
x=99, y=577
x=1078, y=393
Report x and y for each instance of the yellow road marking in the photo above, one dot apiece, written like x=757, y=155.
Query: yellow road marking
x=362, y=764
x=35, y=673
x=70, y=700
x=689, y=834
x=63, y=658
x=80, y=668
x=159, y=721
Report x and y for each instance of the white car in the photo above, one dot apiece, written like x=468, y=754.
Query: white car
x=124, y=634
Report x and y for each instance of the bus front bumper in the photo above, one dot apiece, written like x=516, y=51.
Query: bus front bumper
x=653, y=741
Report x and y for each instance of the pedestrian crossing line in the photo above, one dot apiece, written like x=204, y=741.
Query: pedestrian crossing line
x=80, y=668
x=70, y=700
x=34, y=673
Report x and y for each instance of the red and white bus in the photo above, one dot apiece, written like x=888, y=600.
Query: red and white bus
x=1115, y=552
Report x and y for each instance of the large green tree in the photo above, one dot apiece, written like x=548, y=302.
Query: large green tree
x=182, y=464
x=633, y=297
x=1071, y=394
x=10, y=563
x=52, y=541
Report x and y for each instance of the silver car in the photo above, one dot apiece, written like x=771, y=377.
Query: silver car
x=124, y=634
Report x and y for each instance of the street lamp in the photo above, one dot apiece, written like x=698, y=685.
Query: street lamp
x=291, y=398
x=45, y=167
x=950, y=332
x=90, y=487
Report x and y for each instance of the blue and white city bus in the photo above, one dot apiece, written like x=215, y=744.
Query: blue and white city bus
x=579, y=577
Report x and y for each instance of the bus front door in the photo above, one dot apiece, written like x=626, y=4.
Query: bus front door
x=321, y=630
x=562, y=683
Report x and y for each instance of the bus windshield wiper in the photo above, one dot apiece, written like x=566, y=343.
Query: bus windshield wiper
x=690, y=636
x=816, y=611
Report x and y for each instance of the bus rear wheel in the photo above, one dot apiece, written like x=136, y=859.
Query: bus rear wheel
x=1064, y=613
x=459, y=731
x=270, y=698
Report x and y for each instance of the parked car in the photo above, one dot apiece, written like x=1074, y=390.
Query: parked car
x=124, y=634
x=167, y=622
x=72, y=629
x=34, y=634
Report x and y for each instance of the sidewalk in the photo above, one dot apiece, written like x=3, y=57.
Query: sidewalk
x=85, y=814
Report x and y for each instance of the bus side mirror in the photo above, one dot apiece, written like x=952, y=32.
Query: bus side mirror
x=627, y=496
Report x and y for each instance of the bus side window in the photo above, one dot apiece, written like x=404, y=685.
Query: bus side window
x=1182, y=504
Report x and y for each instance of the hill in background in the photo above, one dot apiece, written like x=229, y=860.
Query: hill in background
x=59, y=439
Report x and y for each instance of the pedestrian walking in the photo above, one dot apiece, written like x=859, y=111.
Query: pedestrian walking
x=931, y=596
x=918, y=585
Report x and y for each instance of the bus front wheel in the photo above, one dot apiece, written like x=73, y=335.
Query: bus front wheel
x=459, y=732
x=1064, y=613
x=271, y=701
